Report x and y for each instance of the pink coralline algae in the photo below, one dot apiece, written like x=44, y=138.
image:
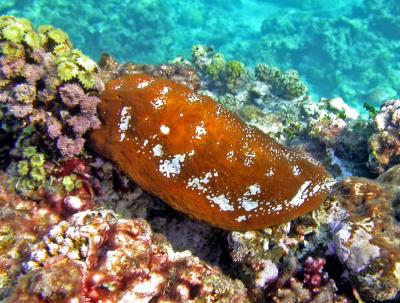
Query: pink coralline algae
x=94, y=257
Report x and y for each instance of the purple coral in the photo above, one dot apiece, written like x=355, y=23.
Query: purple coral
x=10, y=68
x=72, y=94
x=314, y=276
x=69, y=147
x=24, y=93
x=88, y=105
x=53, y=127
x=39, y=97
x=32, y=73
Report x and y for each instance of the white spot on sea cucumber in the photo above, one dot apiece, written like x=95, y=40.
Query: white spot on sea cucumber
x=249, y=158
x=157, y=150
x=240, y=218
x=172, y=167
x=165, y=90
x=269, y=173
x=193, y=98
x=229, y=155
x=248, y=204
x=198, y=183
x=222, y=201
x=181, y=115
x=143, y=84
x=296, y=170
x=158, y=103
x=200, y=130
x=124, y=121
x=301, y=195
x=164, y=129
x=145, y=142
x=254, y=189
x=219, y=109
x=191, y=153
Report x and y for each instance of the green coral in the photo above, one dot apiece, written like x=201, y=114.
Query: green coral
x=234, y=71
x=30, y=170
x=23, y=168
x=32, y=39
x=59, y=36
x=71, y=183
x=284, y=85
x=16, y=31
x=199, y=51
x=20, y=39
x=87, y=79
x=217, y=66
x=29, y=152
x=13, y=33
x=67, y=70
x=292, y=129
x=74, y=64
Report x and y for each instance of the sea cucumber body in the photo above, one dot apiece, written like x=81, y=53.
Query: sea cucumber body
x=201, y=159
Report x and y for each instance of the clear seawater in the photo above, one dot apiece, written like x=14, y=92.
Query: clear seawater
x=347, y=48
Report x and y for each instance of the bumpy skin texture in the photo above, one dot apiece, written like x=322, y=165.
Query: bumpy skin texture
x=202, y=159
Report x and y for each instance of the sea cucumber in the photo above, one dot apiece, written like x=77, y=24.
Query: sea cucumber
x=202, y=159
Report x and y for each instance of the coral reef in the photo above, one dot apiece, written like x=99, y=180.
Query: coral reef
x=286, y=85
x=73, y=227
x=317, y=46
x=276, y=262
x=311, y=37
x=179, y=71
x=47, y=86
x=225, y=76
x=385, y=142
x=95, y=257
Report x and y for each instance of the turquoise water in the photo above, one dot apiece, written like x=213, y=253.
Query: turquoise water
x=342, y=48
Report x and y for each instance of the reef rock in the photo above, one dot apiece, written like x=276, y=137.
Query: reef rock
x=366, y=235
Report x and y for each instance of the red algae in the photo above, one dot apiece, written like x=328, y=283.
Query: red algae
x=202, y=159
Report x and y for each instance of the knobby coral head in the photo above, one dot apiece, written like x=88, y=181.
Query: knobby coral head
x=202, y=159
